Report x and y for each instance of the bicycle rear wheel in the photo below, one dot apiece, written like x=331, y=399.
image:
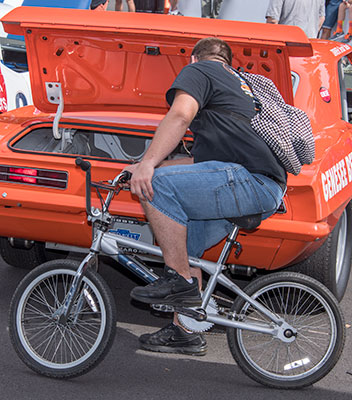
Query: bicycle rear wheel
x=308, y=307
x=53, y=348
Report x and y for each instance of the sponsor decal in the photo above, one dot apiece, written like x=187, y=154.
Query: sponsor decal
x=336, y=51
x=325, y=94
x=337, y=177
x=126, y=233
x=3, y=95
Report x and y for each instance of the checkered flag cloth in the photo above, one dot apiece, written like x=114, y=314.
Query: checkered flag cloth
x=284, y=128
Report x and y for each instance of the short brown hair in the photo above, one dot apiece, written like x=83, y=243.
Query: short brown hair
x=212, y=47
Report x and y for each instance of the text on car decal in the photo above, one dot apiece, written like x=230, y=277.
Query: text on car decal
x=336, y=51
x=337, y=177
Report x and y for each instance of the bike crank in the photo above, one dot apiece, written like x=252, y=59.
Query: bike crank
x=198, y=314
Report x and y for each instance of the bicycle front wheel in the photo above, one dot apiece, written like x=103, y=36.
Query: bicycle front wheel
x=311, y=310
x=61, y=349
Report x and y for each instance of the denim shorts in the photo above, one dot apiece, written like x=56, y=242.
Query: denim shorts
x=201, y=196
x=331, y=12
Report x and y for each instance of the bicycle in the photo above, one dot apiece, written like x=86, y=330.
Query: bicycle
x=284, y=330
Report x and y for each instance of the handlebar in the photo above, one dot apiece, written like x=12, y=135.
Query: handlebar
x=85, y=166
x=125, y=176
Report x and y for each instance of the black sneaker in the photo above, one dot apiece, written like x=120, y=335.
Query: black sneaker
x=336, y=35
x=346, y=39
x=171, y=289
x=173, y=339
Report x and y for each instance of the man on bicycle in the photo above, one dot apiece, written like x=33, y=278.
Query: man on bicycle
x=232, y=173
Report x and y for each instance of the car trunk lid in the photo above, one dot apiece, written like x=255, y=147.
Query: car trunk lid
x=111, y=61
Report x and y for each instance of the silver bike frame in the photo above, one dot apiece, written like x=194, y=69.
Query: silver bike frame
x=111, y=245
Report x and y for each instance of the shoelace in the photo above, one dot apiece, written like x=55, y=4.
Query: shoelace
x=162, y=280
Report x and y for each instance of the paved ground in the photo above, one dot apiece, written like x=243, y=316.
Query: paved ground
x=129, y=373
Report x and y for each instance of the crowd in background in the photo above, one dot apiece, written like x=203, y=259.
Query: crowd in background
x=318, y=18
x=209, y=7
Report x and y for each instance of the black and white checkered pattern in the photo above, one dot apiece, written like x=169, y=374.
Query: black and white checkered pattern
x=284, y=128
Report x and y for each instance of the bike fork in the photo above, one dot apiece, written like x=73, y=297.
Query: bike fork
x=91, y=260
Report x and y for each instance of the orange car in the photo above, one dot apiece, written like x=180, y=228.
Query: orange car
x=99, y=82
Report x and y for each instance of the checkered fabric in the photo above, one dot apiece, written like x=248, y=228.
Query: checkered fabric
x=284, y=128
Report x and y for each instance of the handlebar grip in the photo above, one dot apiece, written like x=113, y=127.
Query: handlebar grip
x=126, y=176
x=84, y=165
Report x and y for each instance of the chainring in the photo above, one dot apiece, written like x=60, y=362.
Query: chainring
x=199, y=326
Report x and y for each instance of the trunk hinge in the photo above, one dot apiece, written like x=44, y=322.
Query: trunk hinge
x=54, y=95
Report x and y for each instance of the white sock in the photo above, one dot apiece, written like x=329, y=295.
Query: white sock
x=189, y=280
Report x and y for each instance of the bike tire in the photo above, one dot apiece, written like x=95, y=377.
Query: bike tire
x=311, y=309
x=52, y=348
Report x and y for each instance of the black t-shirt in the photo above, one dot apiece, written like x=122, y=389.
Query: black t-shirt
x=217, y=135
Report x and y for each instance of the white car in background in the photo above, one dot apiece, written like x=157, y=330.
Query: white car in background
x=15, y=87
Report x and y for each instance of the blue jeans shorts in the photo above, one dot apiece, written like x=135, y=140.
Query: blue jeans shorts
x=201, y=196
x=331, y=12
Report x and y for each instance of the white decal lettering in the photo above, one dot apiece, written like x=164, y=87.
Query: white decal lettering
x=336, y=51
x=348, y=160
x=337, y=177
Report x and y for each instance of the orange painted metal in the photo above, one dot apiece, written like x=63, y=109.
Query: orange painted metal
x=114, y=72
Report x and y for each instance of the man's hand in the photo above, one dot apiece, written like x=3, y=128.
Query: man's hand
x=141, y=181
x=271, y=20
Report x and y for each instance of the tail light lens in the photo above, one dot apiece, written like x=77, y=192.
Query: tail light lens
x=34, y=176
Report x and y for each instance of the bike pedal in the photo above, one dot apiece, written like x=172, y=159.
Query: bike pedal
x=198, y=314
x=163, y=307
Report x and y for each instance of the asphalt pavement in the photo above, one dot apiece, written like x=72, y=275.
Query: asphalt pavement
x=130, y=373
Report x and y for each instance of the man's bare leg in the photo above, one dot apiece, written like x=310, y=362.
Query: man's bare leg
x=118, y=5
x=130, y=4
x=173, y=4
x=172, y=239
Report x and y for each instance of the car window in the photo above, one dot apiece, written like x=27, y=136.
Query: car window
x=85, y=143
x=92, y=143
x=345, y=76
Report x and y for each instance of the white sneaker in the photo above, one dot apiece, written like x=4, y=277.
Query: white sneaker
x=175, y=12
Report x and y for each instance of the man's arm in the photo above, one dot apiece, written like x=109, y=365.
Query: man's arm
x=274, y=11
x=170, y=131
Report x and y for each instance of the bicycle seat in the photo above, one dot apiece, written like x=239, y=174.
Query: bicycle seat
x=247, y=222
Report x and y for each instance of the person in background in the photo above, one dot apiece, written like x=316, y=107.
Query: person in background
x=345, y=4
x=99, y=5
x=307, y=14
x=130, y=4
x=331, y=12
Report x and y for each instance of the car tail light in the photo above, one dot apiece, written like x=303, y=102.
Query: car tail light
x=34, y=176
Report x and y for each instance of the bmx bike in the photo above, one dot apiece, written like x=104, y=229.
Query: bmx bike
x=284, y=330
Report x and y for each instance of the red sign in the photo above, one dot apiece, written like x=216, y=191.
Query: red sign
x=325, y=94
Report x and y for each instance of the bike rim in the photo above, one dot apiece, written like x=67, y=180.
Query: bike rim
x=44, y=339
x=312, y=317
